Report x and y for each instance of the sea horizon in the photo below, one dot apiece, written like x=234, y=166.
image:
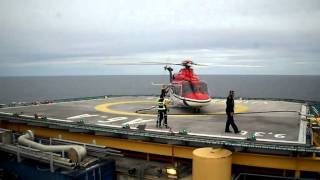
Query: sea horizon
x=37, y=88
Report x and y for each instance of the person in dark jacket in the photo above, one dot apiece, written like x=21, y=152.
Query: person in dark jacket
x=230, y=113
x=162, y=112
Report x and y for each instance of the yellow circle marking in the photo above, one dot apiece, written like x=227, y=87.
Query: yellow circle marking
x=239, y=108
x=105, y=108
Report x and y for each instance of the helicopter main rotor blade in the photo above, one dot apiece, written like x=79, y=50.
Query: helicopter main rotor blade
x=162, y=63
x=128, y=63
x=160, y=84
x=196, y=64
x=140, y=63
x=152, y=63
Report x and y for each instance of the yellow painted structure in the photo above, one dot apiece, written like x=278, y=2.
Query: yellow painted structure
x=209, y=163
x=248, y=159
x=316, y=138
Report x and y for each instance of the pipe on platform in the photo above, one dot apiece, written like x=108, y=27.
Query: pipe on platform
x=31, y=154
x=75, y=152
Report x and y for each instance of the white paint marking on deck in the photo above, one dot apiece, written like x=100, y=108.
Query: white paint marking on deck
x=104, y=116
x=265, y=102
x=115, y=119
x=303, y=126
x=109, y=125
x=243, y=132
x=279, y=141
x=102, y=121
x=280, y=136
x=261, y=134
x=111, y=120
x=254, y=102
x=82, y=116
x=158, y=130
x=28, y=116
x=242, y=138
x=217, y=136
x=6, y=113
x=138, y=121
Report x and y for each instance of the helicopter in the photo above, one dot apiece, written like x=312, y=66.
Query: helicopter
x=185, y=88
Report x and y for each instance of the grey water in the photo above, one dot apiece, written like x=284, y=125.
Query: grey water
x=28, y=89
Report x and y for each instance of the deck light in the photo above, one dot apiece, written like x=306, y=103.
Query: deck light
x=172, y=173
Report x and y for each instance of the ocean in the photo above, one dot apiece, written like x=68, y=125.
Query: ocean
x=28, y=89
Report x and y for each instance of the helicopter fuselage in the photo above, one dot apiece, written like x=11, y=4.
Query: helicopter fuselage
x=187, y=89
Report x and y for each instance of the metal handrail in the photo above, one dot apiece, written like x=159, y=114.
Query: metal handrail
x=177, y=137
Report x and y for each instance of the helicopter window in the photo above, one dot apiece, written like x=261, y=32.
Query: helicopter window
x=186, y=90
x=187, y=87
x=203, y=87
x=177, y=89
x=192, y=88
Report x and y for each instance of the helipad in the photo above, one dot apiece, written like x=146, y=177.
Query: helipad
x=268, y=121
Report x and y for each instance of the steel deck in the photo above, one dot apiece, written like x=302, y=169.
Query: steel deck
x=276, y=125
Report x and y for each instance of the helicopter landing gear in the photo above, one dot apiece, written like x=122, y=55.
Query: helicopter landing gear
x=196, y=110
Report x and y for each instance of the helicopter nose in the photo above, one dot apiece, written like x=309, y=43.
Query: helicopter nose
x=202, y=96
x=198, y=96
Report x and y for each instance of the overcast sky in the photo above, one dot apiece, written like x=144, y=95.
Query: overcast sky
x=66, y=37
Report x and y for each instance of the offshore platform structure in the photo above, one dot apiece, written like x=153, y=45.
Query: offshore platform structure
x=73, y=142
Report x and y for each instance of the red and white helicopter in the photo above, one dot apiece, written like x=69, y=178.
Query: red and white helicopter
x=185, y=88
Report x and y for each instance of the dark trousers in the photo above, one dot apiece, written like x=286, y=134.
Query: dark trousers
x=230, y=120
x=162, y=115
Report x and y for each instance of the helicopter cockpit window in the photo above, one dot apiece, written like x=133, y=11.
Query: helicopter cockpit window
x=188, y=87
x=203, y=87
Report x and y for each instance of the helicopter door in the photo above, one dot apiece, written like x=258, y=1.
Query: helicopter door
x=177, y=89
